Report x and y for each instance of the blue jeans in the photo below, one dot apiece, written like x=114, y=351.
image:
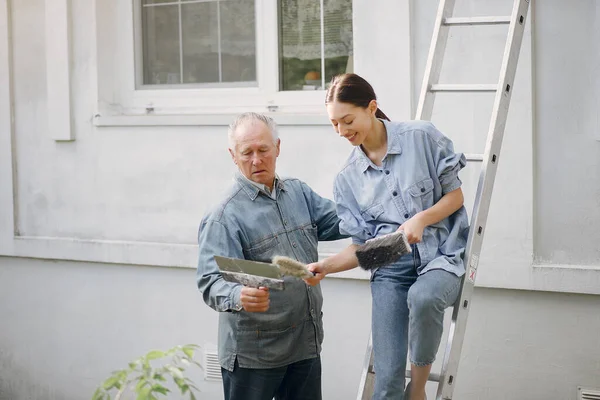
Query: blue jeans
x=298, y=381
x=408, y=312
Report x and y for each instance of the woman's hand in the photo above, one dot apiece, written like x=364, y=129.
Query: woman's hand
x=413, y=228
x=318, y=269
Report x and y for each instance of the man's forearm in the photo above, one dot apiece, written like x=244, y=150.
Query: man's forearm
x=219, y=294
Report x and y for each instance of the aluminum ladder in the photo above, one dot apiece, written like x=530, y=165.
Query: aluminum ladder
x=503, y=88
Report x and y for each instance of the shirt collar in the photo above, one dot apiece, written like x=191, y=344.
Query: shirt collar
x=393, y=147
x=252, y=188
x=393, y=139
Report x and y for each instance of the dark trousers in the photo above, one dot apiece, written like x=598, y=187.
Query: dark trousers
x=297, y=381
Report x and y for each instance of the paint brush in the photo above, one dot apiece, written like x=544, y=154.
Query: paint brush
x=290, y=267
x=382, y=250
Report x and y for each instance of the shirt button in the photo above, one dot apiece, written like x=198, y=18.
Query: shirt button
x=394, y=193
x=422, y=190
x=387, y=172
x=285, y=221
x=294, y=244
x=406, y=215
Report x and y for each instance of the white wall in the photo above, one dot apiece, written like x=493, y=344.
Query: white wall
x=567, y=144
x=134, y=194
x=67, y=325
x=121, y=196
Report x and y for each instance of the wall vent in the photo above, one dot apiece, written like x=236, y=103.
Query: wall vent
x=212, y=367
x=588, y=394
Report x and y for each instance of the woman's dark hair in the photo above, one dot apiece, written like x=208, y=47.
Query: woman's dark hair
x=352, y=89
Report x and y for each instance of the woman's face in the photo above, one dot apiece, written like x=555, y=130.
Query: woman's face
x=351, y=122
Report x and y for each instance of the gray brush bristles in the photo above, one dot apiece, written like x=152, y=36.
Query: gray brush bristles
x=382, y=250
x=290, y=267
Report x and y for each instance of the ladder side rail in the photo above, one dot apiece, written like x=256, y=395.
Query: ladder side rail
x=483, y=198
x=435, y=59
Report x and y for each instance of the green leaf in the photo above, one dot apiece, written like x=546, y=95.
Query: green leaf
x=176, y=372
x=98, y=394
x=111, y=382
x=192, y=397
x=179, y=382
x=159, y=377
x=144, y=394
x=188, y=351
x=172, y=351
x=140, y=385
x=160, y=389
x=155, y=354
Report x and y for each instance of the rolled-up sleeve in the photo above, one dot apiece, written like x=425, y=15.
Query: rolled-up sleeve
x=448, y=164
x=215, y=239
x=351, y=221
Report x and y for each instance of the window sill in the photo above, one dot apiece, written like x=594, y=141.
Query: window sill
x=224, y=119
x=582, y=279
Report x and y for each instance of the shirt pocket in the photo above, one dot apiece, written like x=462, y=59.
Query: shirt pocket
x=421, y=195
x=263, y=250
x=371, y=213
x=276, y=346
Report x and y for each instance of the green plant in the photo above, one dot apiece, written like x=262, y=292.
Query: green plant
x=148, y=380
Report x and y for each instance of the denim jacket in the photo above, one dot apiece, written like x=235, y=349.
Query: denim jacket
x=420, y=166
x=249, y=223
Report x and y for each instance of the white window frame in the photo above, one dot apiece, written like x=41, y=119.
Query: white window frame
x=139, y=55
x=178, y=105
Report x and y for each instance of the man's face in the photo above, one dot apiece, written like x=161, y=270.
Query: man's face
x=254, y=152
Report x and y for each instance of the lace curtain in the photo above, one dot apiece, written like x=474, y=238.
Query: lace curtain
x=300, y=29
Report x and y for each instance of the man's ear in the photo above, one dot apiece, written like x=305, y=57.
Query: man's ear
x=232, y=156
x=278, y=147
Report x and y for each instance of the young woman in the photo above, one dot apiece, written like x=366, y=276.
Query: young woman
x=399, y=176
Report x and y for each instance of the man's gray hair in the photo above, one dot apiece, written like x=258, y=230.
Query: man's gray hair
x=248, y=118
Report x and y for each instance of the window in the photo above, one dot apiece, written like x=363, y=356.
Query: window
x=219, y=44
x=199, y=42
x=315, y=42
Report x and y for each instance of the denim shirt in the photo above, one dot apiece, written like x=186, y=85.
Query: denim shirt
x=420, y=166
x=249, y=223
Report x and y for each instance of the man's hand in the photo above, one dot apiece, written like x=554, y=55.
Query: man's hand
x=318, y=268
x=413, y=228
x=255, y=300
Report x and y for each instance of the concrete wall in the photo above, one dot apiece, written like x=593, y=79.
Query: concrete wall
x=67, y=325
x=123, y=202
x=567, y=143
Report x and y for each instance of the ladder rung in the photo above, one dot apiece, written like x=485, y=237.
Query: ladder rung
x=432, y=377
x=474, y=157
x=477, y=87
x=457, y=21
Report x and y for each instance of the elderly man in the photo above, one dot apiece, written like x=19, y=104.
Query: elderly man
x=269, y=341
